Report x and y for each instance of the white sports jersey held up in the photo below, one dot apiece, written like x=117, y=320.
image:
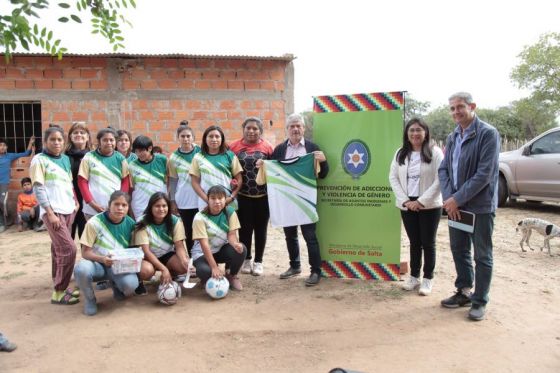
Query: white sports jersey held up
x=292, y=190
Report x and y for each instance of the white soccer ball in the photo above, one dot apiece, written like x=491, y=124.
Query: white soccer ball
x=217, y=288
x=169, y=293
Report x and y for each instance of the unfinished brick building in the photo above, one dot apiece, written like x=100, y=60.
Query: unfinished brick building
x=146, y=94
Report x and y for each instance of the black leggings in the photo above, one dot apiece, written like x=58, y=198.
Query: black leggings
x=253, y=216
x=228, y=255
x=421, y=228
x=187, y=216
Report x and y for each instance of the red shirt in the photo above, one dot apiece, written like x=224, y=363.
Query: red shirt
x=26, y=202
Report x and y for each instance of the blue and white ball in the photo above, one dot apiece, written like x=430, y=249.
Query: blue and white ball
x=217, y=288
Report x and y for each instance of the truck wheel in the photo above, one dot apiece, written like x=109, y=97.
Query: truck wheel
x=502, y=191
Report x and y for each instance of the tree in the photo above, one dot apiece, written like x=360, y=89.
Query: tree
x=19, y=28
x=521, y=120
x=414, y=108
x=539, y=70
x=504, y=119
x=534, y=116
x=440, y=123
x=308, y=118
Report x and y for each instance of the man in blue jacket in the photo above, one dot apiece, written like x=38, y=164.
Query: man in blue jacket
x=469, y=181
x=6, y=160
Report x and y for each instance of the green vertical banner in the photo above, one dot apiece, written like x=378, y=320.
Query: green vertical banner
x=359, y=225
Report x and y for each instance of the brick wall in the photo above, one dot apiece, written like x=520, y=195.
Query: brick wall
x=151, y=95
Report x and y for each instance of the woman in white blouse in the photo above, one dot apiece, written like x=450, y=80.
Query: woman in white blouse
x=414, y=179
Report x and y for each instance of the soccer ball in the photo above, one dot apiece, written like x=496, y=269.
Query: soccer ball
x=217, y=288
x=169, y=293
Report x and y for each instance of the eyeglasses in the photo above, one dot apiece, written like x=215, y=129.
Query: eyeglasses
x=416, y=129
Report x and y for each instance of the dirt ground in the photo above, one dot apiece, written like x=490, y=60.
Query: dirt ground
x=281, y=326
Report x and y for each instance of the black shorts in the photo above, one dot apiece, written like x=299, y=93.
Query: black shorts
x=165, y=257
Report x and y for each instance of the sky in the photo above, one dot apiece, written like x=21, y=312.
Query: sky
x=428, y=48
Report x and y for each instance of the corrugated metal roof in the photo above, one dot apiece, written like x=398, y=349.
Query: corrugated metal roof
x=285, y=57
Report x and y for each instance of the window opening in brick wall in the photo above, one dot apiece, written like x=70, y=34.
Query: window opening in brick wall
x=18, y=122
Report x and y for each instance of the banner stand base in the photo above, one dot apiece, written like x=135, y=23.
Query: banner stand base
x=361, y=270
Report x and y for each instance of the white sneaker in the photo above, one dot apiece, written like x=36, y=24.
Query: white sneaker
x=426, y=287
x=153, y=280
x=258, y=269
x=247, y=267
x=411, y=283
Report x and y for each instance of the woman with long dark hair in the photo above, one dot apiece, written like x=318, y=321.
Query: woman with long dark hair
x=161, y=236
x=79, y=144
x=414, y=179
x=105, y=232
x=215, y=165
x=52, y=183
x=124, y=145
x=102, y=172
x=253, y=200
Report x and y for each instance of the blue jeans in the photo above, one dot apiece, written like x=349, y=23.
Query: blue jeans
x=481, y=239
x=314, y=254
x=3, y=203
x=86, y=272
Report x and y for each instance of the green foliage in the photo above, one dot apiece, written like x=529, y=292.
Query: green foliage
x=521, y=120
x=440, y=123
x=414, y=108
x=18, y=28
x=534, y=115
x=504, y=119
x=308, y=118
x=539, y=70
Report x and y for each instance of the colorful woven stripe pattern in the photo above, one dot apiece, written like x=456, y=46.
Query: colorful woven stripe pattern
x=359, y=102
x=363, y=271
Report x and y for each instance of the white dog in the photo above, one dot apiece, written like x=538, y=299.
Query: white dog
x=546, y=228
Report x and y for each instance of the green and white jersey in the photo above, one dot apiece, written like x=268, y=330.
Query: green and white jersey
x=156, y=236
x=215, y=169
x=104, y=175
x=55, y=174
x=179, y=167
x=213, y=227
x=104, y=236
x=131, y=157
x=146, y=179
x=292, y=190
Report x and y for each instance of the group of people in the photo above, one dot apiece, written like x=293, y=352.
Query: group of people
x=121, y=194
x=194, y=203
x=425, y=180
